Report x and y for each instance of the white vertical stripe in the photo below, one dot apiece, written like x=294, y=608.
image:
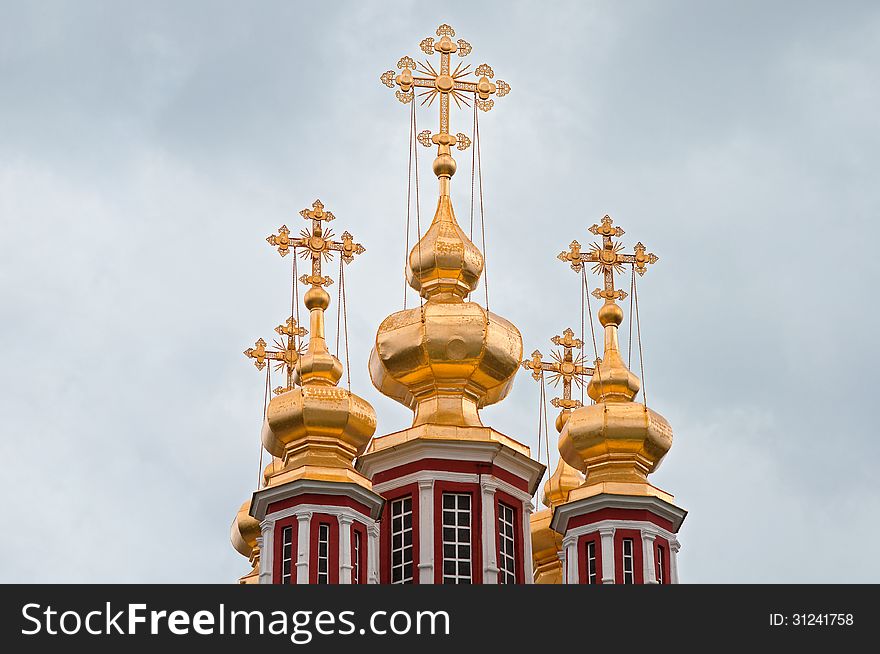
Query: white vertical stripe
x=571, y=562
x=267, y=528
x=490, y=558
x=302, y=547
x=345, y=565
x=674, y=546
x=607, y=536
x=426, y=531
x=527, y=543
x=649, y=574
x=373, y=555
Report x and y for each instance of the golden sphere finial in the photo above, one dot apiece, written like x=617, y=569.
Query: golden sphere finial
x=316, y=298
x=444, y=165
x=610, y=314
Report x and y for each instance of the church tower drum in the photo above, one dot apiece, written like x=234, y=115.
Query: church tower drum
x=616, y=527
x=317, y=516
x=458, y=493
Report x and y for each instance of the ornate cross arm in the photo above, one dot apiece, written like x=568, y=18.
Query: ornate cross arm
x=445, y=83
x=607, y=258
x=316, y=243
x=286, y=352
x=565, y=367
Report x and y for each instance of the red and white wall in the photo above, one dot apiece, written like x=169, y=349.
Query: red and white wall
x=454, y=512
x=318, y=532
x=613, y=539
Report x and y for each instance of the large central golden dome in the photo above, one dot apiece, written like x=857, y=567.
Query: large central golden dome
x=448, y=358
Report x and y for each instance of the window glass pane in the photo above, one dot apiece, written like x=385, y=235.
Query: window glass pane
x=401, y=541
x=456, y=533
x=506, y=545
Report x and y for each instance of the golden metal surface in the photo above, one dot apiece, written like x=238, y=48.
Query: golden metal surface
x=445, y=361
x=317, y=429
x=607, y=258
x=449, y=358
x=560, y=484
x=286, y=352
x=568, y=368
x=437, y=432
x=546, y=545
x=443, y=82
x=614, y=441
x=317, y=243
x=565, y=367
x=244, y=533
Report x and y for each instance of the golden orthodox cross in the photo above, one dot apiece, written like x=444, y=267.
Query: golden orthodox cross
x=446, y=83
x=317, y=243
x=285, y=354
x=565, y=367
x=608, y=258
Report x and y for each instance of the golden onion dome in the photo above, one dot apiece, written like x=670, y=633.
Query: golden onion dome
x=616, y=439
x=245, y=531
x=446, y=361
x=317, y=429
x=449, y=358
x=445, y=264
x=546, y=545
x=565, y=478
x=557, y=487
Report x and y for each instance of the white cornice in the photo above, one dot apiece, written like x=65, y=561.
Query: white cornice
x=648, y=529
x=563, y=513
x=305, y=512
x=263, y=498
x=476, y=451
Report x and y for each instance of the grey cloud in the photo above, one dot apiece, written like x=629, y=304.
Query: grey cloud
x=146, y=151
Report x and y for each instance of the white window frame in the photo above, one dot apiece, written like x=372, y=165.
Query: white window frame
x=323, y=576
x=592, y=568
x=400, y=509
x=628, y=561
x=458, y=518
x=287, y=555
x=506, y=544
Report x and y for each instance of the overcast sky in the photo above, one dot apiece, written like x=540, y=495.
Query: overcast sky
x=147, y=149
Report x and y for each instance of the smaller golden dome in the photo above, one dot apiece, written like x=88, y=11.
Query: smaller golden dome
x=317, y=429
x=245, y=531
x=317, y=366
x=565, y=478
x=318, y=425
x=616, y=439
x=612, y=381
x=557, y=487
x=546, y=545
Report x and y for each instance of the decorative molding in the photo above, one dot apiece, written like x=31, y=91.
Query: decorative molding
x=305, y=512
x=565, y=512
x=453, y=450
x=425, y=564
x=263, y=498
x=304, y=523
x=604, y=526
x=267, y=553
x=426, y=476
x=528, y=562
x=489, y=529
